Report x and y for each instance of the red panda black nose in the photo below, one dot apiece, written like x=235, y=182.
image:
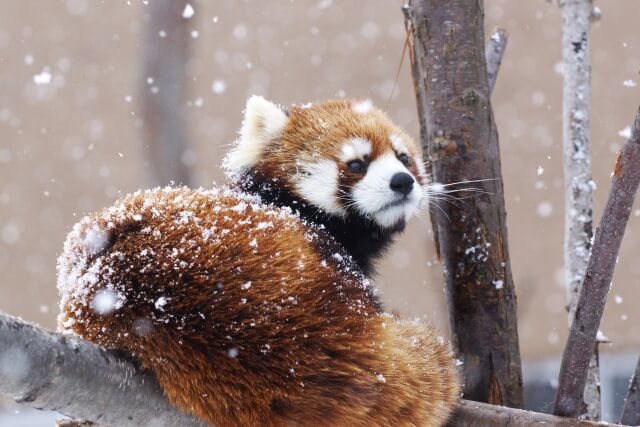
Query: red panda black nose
x=401, y=183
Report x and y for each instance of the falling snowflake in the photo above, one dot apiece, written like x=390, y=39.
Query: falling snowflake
x=188, y=11
x=44, y=78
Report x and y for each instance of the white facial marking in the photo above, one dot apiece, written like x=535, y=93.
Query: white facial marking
x=390, y=217
x=436, y=187
x=398, y=144
x=421, y=169
x=362, y=107
x=317, y=183
x=401, y=147
x=374, y=196
x=355, y=148
x=263, y=122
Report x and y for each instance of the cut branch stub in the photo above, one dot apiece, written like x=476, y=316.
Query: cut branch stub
x=494, y=53
x=595, y=288
x=459, y=137
x=66, y=374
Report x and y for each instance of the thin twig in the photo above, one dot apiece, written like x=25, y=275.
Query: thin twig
x=66, y=374
x=494, y=52
x=595, y=288
x=631, y=410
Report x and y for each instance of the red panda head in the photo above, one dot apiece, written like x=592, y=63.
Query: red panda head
x=344, y=157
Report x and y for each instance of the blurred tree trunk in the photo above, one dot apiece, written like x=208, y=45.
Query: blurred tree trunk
x=460, y=139
x=162, y=89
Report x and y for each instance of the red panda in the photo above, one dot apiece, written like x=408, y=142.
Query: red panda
x=252, y=304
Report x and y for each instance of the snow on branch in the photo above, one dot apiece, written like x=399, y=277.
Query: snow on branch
x=494, y=53
x=66, y=374
x=597, y=281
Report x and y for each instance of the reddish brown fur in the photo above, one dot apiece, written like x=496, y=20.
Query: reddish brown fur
x=266, y=321
x=320, y=131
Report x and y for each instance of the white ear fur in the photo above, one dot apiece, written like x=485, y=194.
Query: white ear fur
x=263, y=122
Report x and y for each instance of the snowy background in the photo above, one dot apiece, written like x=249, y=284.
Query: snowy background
x=70, y=133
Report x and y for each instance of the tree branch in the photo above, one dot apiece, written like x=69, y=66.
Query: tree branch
x=474, y=414
x=578, y=198
x=494, y=52
x=63, y=373
x=162, y=88
x=631, y=410
x=460, y=139
x=595, y=288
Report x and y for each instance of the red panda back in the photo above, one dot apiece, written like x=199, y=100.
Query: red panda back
x=247, y=315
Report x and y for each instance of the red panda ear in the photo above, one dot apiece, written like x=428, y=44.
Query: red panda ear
x=263, y=122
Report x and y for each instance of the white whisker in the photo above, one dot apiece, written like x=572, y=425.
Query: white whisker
x=465, y=182
x=441, y=210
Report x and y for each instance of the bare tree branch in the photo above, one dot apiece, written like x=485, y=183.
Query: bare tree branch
x=62, y=373
x=162, y=88
x=474, y=414
x=494, y=52
x=631, y=410
x=578, y=198
x=460, y=139
x=595, y=288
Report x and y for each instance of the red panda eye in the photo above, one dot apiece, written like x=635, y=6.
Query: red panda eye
x=404, y=159
x=357, y=166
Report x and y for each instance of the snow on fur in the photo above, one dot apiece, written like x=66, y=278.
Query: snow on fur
x=250, y=303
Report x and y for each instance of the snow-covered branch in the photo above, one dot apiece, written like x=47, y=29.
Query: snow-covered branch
x=595, y=288
x=578, y=198
x=62, y=373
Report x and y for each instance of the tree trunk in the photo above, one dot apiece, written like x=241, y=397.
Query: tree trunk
x=460, y=140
